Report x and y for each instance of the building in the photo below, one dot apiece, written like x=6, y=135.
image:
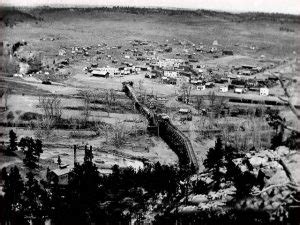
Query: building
x=184, y=111
x=101, y=73
x=170, y=73
x=227, y=52
x=201, y=88
x=110, y=70
x=224, y=89
x=239, y=90
x=264, y=91
x=245, y=72
x=61, y=175
x=170, y=63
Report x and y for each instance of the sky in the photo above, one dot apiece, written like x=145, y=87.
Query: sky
x=279, y=6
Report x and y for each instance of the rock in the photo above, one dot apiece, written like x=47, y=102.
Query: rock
x=198, y=199
x=188, y=209
x=275, y=204
x=282, y=151
x=256, y=161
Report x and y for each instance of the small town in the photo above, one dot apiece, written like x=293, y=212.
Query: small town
x=129, y=115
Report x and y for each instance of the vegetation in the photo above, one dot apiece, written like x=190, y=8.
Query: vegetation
x=89, y=197
x=32, y=150
x=13, y=146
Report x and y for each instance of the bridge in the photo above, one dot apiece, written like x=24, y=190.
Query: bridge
x=161, y=125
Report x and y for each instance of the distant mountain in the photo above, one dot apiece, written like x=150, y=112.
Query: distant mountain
x=14, y=15
x=11, y=16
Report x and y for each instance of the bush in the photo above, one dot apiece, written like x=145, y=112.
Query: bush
x=28, y=116
x=10, y=116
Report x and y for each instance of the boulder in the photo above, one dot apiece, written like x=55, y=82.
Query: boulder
x=256, y=161
x=198, y=199
x=283, y=151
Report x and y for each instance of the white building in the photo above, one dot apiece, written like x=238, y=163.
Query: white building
x=201, y=88
x=111, y=70
x=224, y=89
x=170, y=73
x=239, y=90
x=170, y=63
x=264, y=91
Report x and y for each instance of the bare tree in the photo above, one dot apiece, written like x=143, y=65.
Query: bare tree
x=87, y=97
x=119, y=135
x=52, y=110
x=199, y=103
x=212, y=98
x=185, y=91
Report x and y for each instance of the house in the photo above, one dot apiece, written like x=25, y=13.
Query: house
x=184, y=111
x=196, y=82
x=227, y=52
x=111, y=70
x=201, y=88
x=245, y=72
x=100, y=73
x=209, y=85
x=248, y=67
x=170, y=73
x=61, y=175
x=61, y=52
x=264, y=91
x=150, y=75
x=224, y=89
x=239, y=90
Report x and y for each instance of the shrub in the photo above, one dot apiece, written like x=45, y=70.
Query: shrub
x=10, y=116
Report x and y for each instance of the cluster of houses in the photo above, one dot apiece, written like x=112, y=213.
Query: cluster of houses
x=174, y=70
x=248, y=70
x=106, y=72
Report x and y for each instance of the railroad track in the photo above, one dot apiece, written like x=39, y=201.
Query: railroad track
x=163, y=127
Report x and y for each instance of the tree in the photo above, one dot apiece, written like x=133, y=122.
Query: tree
x=34, y=203
x=32, y=150
x=52, y=110
x=199, y=104
x=215, y=160
x=83, y=193
x=59, y=160
x=38, y=148
x=88, y=154
x=119, y=135
x=214, y=155
x=51, y=106
x=87, y=97
x=185, y=90
x=12, y=143
x=212, y=98
x=13, y=189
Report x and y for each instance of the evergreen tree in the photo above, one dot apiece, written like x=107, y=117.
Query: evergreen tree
x=88, y=154
x=38, y=150
x=214, y=156
x=83, y=190
x=12, y=143
x=32, y=150
x=34, y=200
x=59, y=160
x=215, y=160
x=13, y=189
